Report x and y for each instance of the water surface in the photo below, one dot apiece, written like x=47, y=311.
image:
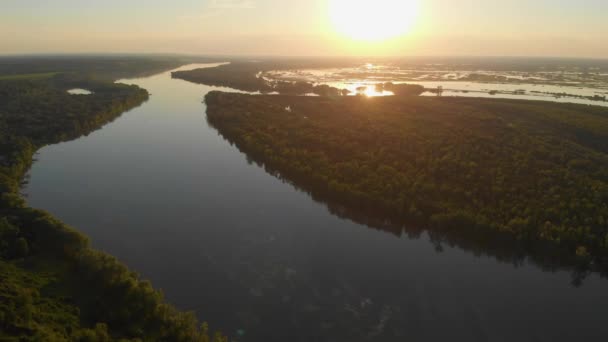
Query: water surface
x=79, y=91
x=560, y=85
x=162, y=191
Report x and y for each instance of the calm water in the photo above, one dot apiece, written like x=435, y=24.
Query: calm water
x=159, y=189
x=79, y=91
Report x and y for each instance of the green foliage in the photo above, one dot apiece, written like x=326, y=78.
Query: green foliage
x=28, y=314
x=9, y=235
x=536, y=171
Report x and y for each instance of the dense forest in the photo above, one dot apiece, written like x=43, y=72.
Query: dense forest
x=53, y=286
x=469, y=169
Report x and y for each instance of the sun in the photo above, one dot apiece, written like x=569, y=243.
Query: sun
x=373, y=20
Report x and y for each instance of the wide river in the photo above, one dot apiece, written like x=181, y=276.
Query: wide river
x=261, y=260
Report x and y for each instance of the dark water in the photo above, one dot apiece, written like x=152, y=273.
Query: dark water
x=162, y=191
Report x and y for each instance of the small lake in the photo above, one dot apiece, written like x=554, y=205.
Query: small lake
x=162, y=191
x=78, y=91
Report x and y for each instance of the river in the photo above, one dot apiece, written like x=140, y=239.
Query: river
x=259, y=259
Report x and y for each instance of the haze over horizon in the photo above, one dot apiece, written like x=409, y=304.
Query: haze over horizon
x=305, y=28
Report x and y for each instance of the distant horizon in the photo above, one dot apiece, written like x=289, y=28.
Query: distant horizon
x=220, y=55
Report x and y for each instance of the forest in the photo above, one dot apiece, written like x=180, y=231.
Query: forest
x=468, y=169
x=53, y=285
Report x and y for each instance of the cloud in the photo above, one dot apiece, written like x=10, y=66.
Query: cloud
x=232, y=4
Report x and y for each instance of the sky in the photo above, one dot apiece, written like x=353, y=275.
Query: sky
x=560, y=28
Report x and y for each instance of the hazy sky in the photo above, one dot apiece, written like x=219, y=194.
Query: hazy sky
x=300, y=27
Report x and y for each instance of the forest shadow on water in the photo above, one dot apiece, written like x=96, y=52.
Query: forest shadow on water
x=503, y=247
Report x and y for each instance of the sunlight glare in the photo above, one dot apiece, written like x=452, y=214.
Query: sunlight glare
x=373, y=20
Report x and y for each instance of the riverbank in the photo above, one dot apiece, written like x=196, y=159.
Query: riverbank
x=54, y=286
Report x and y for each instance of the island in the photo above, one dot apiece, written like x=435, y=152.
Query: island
x=468, y=168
